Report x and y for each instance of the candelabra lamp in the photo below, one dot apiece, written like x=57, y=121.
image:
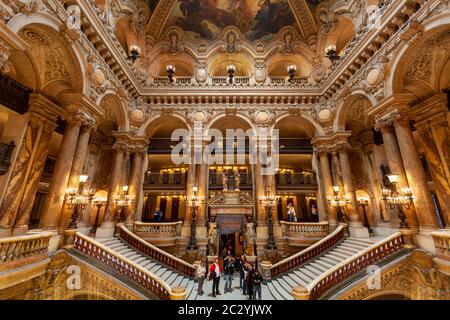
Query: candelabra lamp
x=122, y=202
x=339, y=202
x=231, y=69
x=268, y=201
x=77, y=200
x=292, y=71
x=99, y=203
x=364, y=203
x=401, y=200
x=170, y=73
x=331, y=53
x=194, y=203
x=134, y=52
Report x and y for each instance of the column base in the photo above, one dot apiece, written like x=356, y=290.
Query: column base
x=424, y=240
x=357, y=230
x=5, y=233
x=20, y=230
x=186, y=230
x=106, y=230
x=55, y=241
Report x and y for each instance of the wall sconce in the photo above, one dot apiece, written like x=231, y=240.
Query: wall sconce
x=134, y=51
x=231, y=69
x=170, y=72
x=331, y=53
x=292, y=71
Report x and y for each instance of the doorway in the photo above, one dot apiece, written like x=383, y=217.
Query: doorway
x=232, y=242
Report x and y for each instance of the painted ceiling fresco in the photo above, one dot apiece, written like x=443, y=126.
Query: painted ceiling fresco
x=257, y=19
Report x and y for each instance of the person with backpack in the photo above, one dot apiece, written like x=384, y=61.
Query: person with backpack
x=214, y=275
x=200, y=274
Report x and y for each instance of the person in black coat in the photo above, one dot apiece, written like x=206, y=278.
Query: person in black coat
x=250, y=282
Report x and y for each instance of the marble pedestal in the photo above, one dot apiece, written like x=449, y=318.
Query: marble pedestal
x=106, y=230
x=358, y=230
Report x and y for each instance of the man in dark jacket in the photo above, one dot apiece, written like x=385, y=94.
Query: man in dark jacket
x=257, y=282
x=250, y=282
x=228, y=266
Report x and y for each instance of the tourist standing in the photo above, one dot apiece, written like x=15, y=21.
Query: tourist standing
x=228, y=266
x=214, y=275
x=314, y=213
x=200, y=274
x=239, y=267
x=291, y=213
x=257, y=282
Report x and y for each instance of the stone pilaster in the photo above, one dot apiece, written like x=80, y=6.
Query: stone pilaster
x=327, y=184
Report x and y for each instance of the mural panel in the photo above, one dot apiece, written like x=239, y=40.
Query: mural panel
x=257, y=19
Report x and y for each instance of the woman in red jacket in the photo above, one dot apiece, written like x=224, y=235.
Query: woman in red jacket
x=214, y=274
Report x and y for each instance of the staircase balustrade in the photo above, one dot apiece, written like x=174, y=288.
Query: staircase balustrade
x=442, y=244
x=355, y=264
x=159, y=233
x=155, y=253
x=124, y=266
x=299, y=230
x=309, y=253
x=21, y=250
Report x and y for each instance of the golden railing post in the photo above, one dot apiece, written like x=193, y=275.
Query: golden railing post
x=178, y=293
x=300, y=293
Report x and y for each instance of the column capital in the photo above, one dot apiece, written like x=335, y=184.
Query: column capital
x=44, y=108
x=120, y=146
x=433, y=110
x=386, y=121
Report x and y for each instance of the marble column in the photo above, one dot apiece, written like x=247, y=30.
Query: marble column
x=79, y=159
x=27, y=168
x=32, y=184
x=356, y=227
x=437, y=166
x=190, y=183
x=134, y=186
x=60, y=177
x=259, y=191
x=202, y=182
x=327, y=184
x=395, y=162
x=415, y=174
x=321, y=198
x=106, y=230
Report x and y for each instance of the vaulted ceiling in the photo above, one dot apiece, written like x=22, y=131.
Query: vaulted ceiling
x=257, y=19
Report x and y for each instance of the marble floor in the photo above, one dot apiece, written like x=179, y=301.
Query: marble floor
x=236, y=294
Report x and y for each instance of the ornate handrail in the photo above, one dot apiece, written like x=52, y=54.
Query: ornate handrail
x=309, y=253
x=304, y=229
x=155, y=253
x=355, y=264
x=158, y=230
x=442, y=244
x=124, y=266
x=29, y=248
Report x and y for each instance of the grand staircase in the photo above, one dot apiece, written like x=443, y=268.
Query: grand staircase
x=171, y=277
x=280, y=288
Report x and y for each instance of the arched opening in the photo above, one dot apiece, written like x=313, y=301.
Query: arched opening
x=295, y=180
x=165, y=180
x=243, y=64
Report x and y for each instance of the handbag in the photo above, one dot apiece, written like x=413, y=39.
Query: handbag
x=212, y=275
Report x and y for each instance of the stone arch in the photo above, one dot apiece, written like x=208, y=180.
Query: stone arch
x=86, y=294
x=182, y=61
x=115, y=110
x=64, y=51
x=218, y=62
x=414, y=67
x=342, y=33
x=314, y=128
x=158, y=121
x=277, y=65
x=353, y=109
x=394, y=294
x=242, y=117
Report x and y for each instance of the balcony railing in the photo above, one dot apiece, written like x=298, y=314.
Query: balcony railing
x=18, y=251
x=6, y=150
x=286, y=146
x=309, y=253
x=122, y=265
x=215, y=180
x=155, y=253
x=159, y=234
x=292, y=180
x=354, y=264
x=176, y=180
x=302, y=233
x=442, y=244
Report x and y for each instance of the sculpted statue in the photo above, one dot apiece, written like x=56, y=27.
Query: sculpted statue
x=288, y=47
x=73, y=20
x=237, y=180
x=250, y=239
x=225, y=182
x=231, y=43
x=174, y=46
x=212, y=236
